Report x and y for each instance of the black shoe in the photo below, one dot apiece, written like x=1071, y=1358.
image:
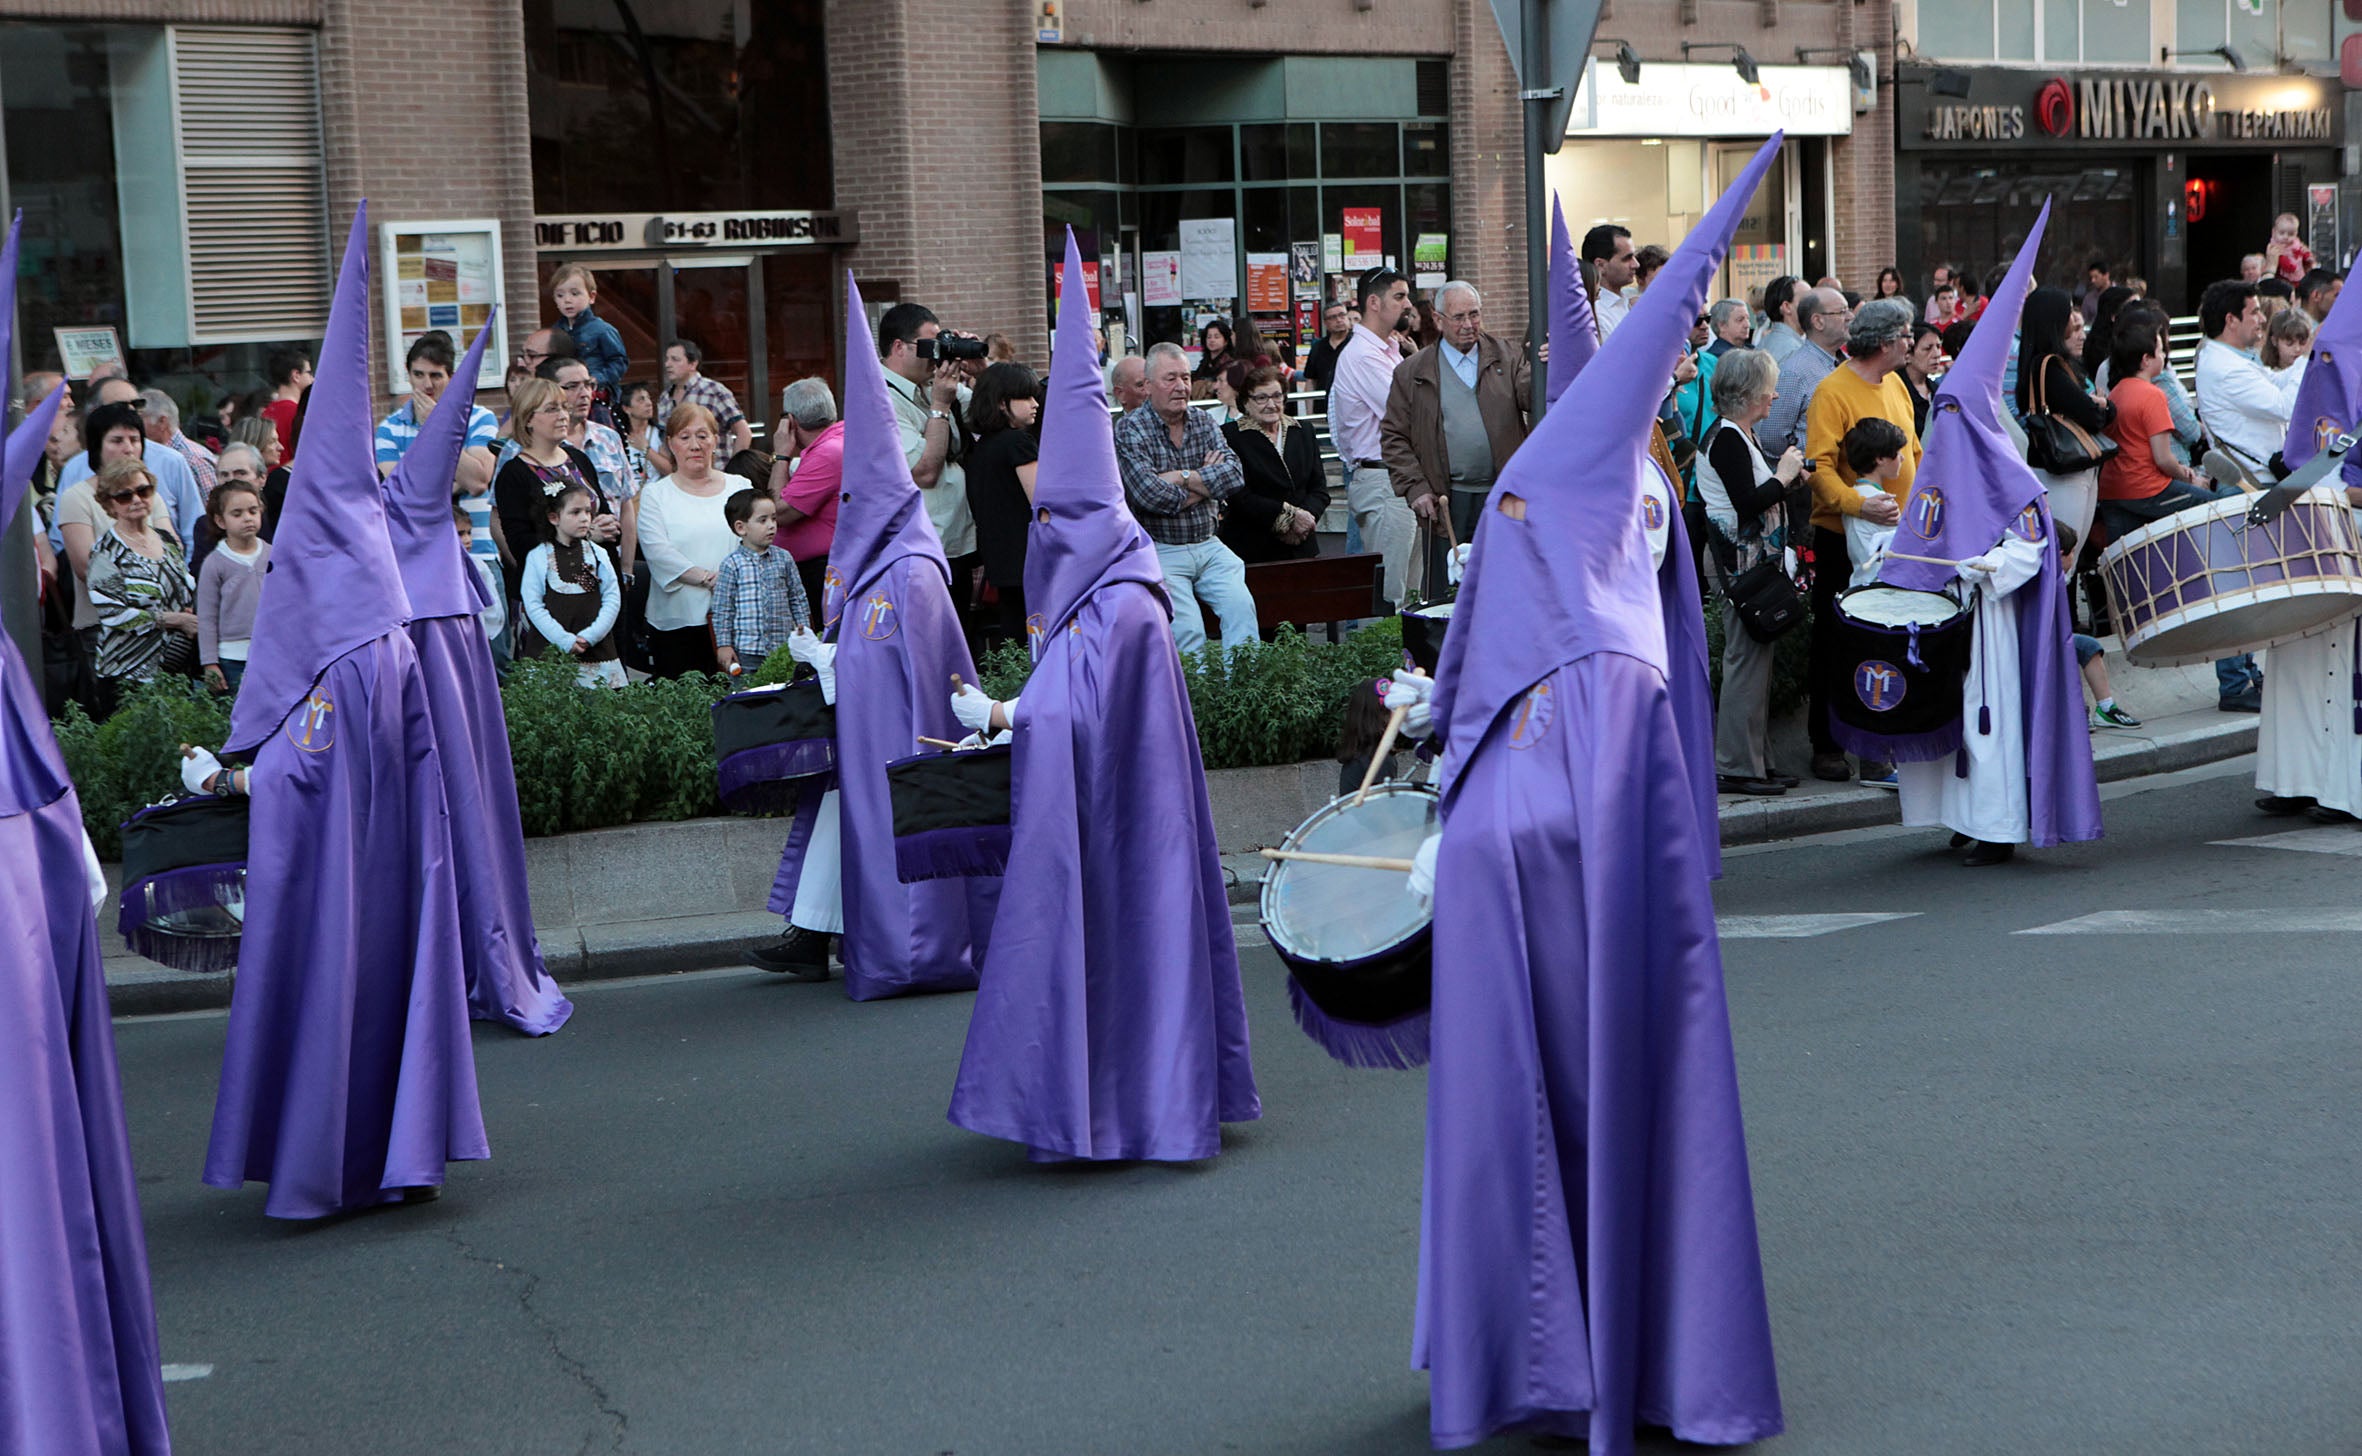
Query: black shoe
x=2323, y=814
x=2283, y=804
x=1988, y=853
x=1961, y=841
x=1832, y=768
x=1732, y=784
x=1785, y=781
x=2247, y=702
x=800, y=953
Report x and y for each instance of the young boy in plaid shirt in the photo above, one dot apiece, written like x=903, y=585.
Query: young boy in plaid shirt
x=758, y=598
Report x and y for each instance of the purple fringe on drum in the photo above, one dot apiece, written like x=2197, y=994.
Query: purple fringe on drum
x=1400, y=1045
x=765, y=780
x=178, y=892
x=1888, y=748
x=943, y=854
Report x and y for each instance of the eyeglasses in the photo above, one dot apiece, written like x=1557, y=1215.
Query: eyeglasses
x=135, y=492
x=573, y=385
x=1266, y=396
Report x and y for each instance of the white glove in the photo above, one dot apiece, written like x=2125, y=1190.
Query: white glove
x=972, y=708
x=1984, y=565
x=1417, y=694
x=196, y=766
x=1455, y=566
x=1421, y=886
x=93, y=876
x=821, y=655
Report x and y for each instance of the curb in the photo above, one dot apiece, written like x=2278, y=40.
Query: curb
x=580, y=953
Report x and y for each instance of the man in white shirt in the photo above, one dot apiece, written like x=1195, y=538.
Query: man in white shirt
x=1607, y=250
x=929, y=401
x=2242, y=404
x=1357, y=407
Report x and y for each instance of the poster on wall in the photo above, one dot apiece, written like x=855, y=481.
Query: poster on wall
x=1209, y=257
x=1307, y=325
x=440, y=275
x=1752, y=268
x=1428, y=259
x=1304, y=267
x=84, y=351
x=1160, y=280
x=1090, y=283
x=2321, y=219
x=1332, y=252
x=1267, y=283
x=1365, y=239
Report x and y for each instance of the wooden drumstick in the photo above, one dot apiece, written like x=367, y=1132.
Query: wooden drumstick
x=1930, y=560
x=1349, y=861
x=1385, y=746
x=937, y=742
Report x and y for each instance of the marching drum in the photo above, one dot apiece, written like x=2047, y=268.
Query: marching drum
x=1355, y=944
x=1422, y=634
x=184, y=882
x=2202, y=584
x=951, y=813
x=1904, y=655
x=767, y=738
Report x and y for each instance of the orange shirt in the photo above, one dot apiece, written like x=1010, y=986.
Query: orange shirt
x=2141, y=412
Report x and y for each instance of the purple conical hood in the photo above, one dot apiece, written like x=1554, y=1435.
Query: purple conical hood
x=333, y=584
x=1083, y=534
x=2330, y=398
x=32, y=773
x=8, y=318
x=1574, y=333
x=1573, y=576
x=436, y=575
x=881, y=517
x=1972, y=484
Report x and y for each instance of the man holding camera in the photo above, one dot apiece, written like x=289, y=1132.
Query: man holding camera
x=926, y=383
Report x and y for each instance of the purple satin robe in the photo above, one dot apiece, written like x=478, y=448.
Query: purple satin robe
x=349, y=1074
x=898, y=645
x=1111, y=1023
x=79, y=1368
x=506, y=980
x=1587, y=1255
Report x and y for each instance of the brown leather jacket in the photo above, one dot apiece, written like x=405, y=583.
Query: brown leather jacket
x=1410, y=438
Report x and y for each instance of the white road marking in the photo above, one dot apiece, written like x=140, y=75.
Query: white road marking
x=174, y=1373
x=2204, y=922
x=1802, y=927
x=2324, y=839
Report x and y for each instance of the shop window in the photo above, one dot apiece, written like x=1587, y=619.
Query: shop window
x=1278, y=153
x=1182, y=154
x=2115, y=34
x=1959, y=31
x=1360, y=149
x=2013, y=30
x=2201, y=25
x=1078, y=151
x=1427, y=149
x=694, y=104
x=2306, y=32
x=2062, y=27
x=61, y=171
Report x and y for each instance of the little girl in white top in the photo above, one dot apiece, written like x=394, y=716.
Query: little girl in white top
x=571, y=597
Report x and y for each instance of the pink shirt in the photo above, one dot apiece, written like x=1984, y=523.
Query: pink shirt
x=1358, y=390
x=814, y=488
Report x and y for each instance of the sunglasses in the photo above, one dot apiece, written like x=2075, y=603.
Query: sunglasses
x=136, y=492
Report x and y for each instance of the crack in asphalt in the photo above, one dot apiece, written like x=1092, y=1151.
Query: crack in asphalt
x=526, y=1283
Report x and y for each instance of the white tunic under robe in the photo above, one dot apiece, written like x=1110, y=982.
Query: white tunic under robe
x=1991, y=803
x=2306, y=746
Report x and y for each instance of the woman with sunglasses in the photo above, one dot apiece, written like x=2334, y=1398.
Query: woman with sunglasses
x=139, y=583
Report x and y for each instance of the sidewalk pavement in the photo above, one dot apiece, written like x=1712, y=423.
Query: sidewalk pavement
x=2180, y=728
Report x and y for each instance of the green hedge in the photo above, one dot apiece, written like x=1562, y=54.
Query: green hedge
x=586, y=760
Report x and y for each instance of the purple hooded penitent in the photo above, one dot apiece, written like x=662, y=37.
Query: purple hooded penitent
x=1574, y=333
x=1973, y=489
x=1111, y=1023
x=506, y=980
x=79, y=1369
x=2329, y=400
x=1588, y=1258
x=898, y=647
x=348, y=1075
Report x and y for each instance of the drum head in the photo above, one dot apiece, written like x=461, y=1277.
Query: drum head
x=1336, y=915
x=1893, y=606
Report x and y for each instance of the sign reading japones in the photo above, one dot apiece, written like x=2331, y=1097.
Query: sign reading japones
x=1996, y=105
x=594, y=232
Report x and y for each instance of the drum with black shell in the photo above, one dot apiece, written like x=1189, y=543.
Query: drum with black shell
x=951, y=813
x=766, y=740
x=1900, y=660
x=183, y=902
x=1354, y=941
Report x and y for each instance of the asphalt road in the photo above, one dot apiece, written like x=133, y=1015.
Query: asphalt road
x=2088, y=1192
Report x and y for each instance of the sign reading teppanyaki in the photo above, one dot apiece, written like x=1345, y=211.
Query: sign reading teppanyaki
x=2000, y=105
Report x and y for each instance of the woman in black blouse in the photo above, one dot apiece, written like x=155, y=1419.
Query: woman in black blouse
x=1000, y=465
x=1918, y=371
x=1272, y=518
x=2050, y=377
x=543, y=465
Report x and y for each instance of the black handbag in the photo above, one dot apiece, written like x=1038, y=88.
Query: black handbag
x=2054, y=442
x=1765, y=600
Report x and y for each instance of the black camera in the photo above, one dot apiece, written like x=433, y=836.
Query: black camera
x=948, y=345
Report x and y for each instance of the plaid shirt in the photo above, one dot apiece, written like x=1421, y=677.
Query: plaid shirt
x=201, y=464
x=757, y=601
x=700, y=390
x=1144, y=449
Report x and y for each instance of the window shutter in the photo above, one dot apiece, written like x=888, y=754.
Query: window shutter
x=248, y=111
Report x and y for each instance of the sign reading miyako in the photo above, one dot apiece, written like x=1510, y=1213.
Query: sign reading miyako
x=2153, y=109
x=591, y=232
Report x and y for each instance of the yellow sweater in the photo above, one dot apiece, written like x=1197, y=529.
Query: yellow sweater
x=1838, y=402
